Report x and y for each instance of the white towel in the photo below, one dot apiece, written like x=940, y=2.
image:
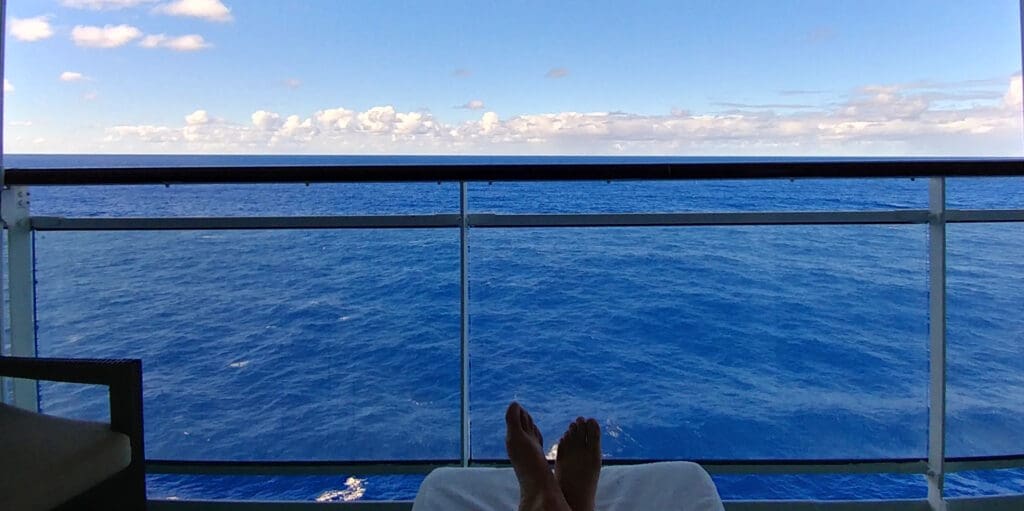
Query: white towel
x=670, y=486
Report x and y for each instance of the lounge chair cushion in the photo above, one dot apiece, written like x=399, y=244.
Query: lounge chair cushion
x=48, y=460
x=669, y=486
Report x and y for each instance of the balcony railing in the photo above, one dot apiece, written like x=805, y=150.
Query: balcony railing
x=21, y=225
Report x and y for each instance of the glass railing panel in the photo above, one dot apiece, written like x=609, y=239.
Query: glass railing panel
x=983, y=483
x=985, y=357
x=699, y=196
x=74, y=400
x=341, y=488
x=246, y=200
x=700, y=343
x=821, y=486
x=265, y=344
x=985, y=193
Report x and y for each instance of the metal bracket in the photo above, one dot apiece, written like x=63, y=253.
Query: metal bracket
x=14, y=203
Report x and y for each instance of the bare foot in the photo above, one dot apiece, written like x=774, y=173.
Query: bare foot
x=578, y=465
x=538, y=490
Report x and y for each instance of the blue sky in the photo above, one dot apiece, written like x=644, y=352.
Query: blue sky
x=643, y=77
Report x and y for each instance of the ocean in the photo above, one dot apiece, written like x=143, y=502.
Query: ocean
x=710, y=343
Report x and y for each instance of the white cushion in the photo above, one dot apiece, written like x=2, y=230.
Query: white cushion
x=668, y=486
x=48, y=460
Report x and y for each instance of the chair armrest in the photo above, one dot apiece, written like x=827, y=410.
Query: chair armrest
x=122, y=376
x=114, y=372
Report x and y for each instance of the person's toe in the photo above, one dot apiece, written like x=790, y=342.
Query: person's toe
x=593, y=431
x=575, y=436
x=512, y=414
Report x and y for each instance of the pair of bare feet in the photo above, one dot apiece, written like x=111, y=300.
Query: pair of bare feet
x=573, y=485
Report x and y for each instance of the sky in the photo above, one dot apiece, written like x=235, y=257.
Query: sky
x=645, y=77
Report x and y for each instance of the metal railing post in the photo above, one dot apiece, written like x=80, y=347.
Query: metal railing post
x=21, y=288
x=3, y=297
x=464, y=320
x=937, y=342
x=3, y=103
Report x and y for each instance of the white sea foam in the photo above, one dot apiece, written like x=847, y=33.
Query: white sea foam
x=552, y=453
x=354, y=490
x=240, y=364
x=615, y=431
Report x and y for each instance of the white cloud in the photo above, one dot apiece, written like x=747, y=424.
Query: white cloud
x=473, y=104
x=71, y=76
x=31, y=29
x=152, y=41
x=197, y=118
x=489, y=122
x=20, y=124
x=211, y=10
x=378, y=119
x=293, y=83
x=557, y=72
x=334, y=118
x=98, y=5
x=191, y=42
x=108, y=36
x=295, y=129
x=265, y=120
x=415, y=123
x=873, y=120
x=8, y=87
x=1014, y=92
x=152, y=134
x=91, y=96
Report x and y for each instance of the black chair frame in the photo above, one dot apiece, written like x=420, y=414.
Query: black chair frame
x=123, y=377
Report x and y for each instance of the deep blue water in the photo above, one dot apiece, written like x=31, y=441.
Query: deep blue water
x=689, y=342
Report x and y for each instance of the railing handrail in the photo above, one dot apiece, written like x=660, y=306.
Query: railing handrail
x=531, y=170
x=761, y=466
